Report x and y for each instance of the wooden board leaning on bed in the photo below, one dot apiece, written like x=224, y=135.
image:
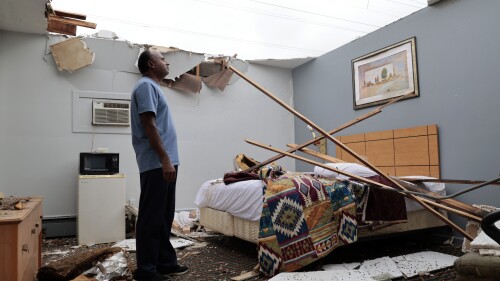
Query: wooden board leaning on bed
x=400, y=152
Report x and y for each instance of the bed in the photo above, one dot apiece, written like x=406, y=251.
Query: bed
x=235, y=210
x=240, y=209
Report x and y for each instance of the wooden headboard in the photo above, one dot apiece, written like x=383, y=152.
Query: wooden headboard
x=401, y=152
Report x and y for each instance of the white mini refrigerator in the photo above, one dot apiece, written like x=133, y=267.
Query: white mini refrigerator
x=101, y=209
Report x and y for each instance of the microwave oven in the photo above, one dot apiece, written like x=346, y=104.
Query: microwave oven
x=99, y=163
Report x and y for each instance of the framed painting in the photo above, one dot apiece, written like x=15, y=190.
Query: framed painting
x=385, y=74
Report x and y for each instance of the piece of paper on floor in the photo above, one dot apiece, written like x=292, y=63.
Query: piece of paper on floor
x=129, y=244
x=381, y=269
x=342, y=266
x=483, y=241
x=180, y=243
x=412, y=264
x=336, y=275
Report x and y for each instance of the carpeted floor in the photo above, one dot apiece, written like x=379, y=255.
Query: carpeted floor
x=220, y=258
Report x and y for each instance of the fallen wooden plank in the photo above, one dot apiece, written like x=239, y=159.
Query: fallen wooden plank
x=450, y=181
x=316, y=154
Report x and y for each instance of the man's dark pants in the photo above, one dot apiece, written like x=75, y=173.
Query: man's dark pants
x=156, y=213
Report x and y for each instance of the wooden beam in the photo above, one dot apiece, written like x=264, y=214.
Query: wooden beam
x=475, y=211
x=450, y=181
x=70, y=15
x=61, y=27
x=316, y=154
x=73, y=21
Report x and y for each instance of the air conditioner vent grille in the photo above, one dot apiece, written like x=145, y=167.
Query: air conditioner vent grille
x=111, y=113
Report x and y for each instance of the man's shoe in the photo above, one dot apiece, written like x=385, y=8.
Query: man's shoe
x=177, y=270
x=150, y=277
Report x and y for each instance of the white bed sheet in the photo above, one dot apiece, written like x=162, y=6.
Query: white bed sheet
x=241, y=199
x=244, y=199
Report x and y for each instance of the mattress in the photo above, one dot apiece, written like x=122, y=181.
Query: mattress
x=241, y=199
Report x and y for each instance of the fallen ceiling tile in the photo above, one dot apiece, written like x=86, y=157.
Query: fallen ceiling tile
x=72, y=54
x=413, y=264
x=483, y=241
x=342, y=266
x=129, y=244
x=381, y=269
x=337, y=275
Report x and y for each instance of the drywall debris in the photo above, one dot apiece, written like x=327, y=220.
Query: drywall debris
x=218, y=80
x=414, y=264
x=338, y=275
x=72, y=54
x=129, y=244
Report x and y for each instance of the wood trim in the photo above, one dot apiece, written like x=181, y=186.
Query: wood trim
x=72, y=21
x=61, y=27
x=70, y=15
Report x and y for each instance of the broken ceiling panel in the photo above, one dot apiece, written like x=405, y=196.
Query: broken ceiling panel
x=180, y=61
x=72, y=54
x=218, y=80
x=186, y=82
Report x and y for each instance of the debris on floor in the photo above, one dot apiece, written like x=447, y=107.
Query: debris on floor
x=482, y=262
x=129, y=244
x=384, y=268
x=71, y=266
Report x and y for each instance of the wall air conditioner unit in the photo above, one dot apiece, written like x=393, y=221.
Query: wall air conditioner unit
x=111, y=112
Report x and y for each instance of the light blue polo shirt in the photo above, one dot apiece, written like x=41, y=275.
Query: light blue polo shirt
x=148, y=96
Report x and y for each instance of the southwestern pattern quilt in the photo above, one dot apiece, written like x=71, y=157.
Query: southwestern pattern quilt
x=304, y=218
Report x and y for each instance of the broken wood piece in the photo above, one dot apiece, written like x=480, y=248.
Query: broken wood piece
x=245, y=276
x=69, y=15
x=470, y=209
x=186, y=230
x=19, y=205
x=449, y=181
x=317, y=154
x=61, y=28
x=72, y=21
x=70, y=267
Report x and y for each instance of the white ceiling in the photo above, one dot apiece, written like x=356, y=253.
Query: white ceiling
x=26, y=16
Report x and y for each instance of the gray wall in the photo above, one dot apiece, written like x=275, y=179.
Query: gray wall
x=458, y=61
x=39, y=148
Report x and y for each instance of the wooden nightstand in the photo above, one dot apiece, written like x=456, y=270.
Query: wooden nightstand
x=21, y=241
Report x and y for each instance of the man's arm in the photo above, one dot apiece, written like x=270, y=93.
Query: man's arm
x=149, y=124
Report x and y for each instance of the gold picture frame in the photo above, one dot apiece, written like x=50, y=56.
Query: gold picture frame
x=385, y=74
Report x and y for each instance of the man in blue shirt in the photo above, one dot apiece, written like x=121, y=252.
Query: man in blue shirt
x=155, y=143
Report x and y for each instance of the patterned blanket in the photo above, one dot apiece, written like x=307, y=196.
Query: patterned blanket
x=304, y=218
